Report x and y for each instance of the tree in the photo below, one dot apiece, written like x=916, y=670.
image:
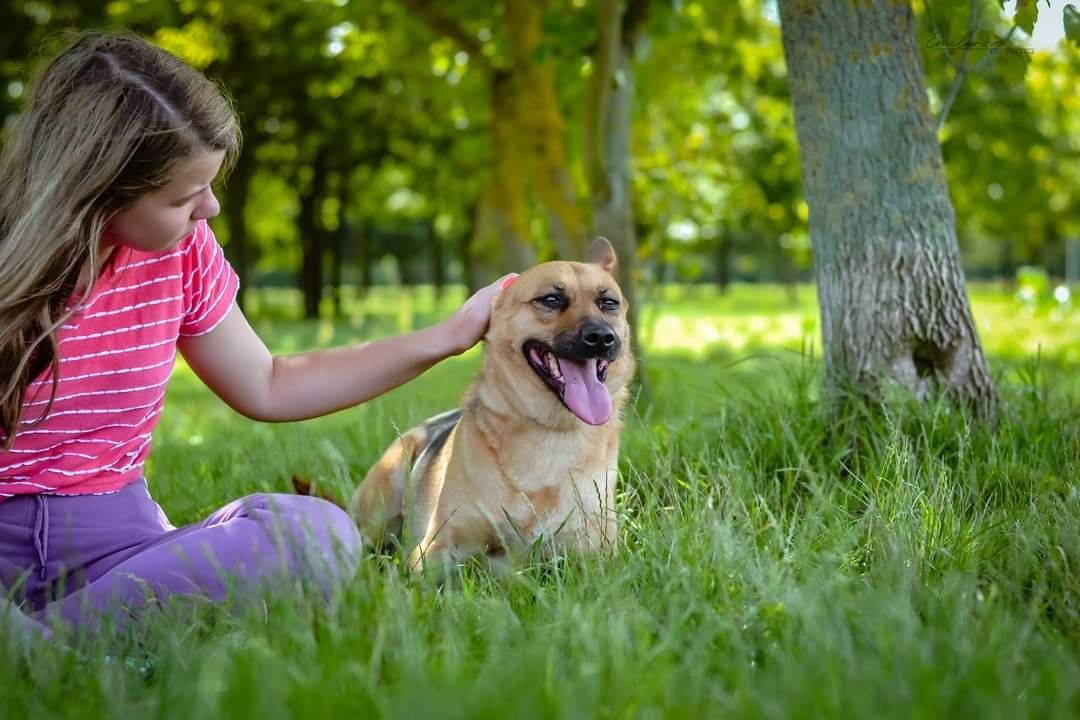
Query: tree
x=890, y=286
x=501, y=220
x=541, y=126
x=607, y=138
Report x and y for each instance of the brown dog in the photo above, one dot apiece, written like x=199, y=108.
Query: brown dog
x=530, y=458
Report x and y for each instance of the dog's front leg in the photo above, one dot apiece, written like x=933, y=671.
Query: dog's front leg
x=431, y=554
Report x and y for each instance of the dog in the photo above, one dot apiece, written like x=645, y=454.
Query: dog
x=530, y=458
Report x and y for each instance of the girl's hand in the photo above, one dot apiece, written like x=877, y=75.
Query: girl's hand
x=467, y=326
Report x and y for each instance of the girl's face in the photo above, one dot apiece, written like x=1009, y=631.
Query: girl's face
x=161, y=218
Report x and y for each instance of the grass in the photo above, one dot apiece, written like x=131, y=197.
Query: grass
x=775, y=563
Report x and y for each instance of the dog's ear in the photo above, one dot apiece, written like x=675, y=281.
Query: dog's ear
x=602, y=253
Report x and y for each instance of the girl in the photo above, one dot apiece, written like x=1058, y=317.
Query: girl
x=107, y=267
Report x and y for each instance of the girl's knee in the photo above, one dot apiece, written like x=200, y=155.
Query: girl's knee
x=315, y=535
x=340, y=523
x=328, y=522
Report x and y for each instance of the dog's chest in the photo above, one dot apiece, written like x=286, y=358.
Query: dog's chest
x=554, y=485
x=561, y=499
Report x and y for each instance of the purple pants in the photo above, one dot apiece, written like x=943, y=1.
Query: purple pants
x=77, y=559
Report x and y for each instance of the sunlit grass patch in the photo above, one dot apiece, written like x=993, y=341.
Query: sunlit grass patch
x=698, y=320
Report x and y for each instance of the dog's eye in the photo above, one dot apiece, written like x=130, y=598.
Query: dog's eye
x=608, y=304
x=553, y=301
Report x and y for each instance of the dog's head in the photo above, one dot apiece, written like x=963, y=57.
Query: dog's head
x=559, y=336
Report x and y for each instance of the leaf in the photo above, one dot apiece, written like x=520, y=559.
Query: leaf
x=1027, y=12
x=1072, y=24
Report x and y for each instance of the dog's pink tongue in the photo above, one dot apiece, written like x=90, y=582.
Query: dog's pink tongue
x=584, y=394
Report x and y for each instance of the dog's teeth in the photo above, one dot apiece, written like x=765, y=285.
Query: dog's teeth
x=553, y=366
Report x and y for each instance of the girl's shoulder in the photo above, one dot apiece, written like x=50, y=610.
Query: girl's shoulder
x=194, y=273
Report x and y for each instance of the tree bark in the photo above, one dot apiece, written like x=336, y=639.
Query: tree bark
x=542, y=128
x=313, y=236
x=607, y=141
x=890, y=286
x=363, y=259
x=723, y=262
x=438, y=261
x=464, y=251
x=500, y=226
x=785, y=271
x=505, y=194
x=1007, y=267
x=339, y=240
x=236, y=193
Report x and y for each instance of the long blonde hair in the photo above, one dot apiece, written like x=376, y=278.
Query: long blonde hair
x=109, y=119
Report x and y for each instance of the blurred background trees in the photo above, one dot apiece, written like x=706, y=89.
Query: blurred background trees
x=412, y=141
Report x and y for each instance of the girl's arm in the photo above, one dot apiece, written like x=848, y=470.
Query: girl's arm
x=235, y=363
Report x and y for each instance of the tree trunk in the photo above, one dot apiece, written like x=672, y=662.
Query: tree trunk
x=723, y=262
x=312, y=237
x=342, y=242
x=890, y=286
x=465, y=255
x=406, y=266
x=500, y=220
x=501, y=224
x=438, y=261
x=337, y=252
x=363, y=259
x=1072, y=262
x=236, y=193
x=489, y=246
x=1053, y=251
x=510, y=217
x=785, y=271
x=542, y=128
x=1007, y=268
x=607, y=142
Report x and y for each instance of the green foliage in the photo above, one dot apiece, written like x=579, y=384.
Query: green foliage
x=1010, y=141
x=717, y=170
x=401, y=115
x=1025, y=15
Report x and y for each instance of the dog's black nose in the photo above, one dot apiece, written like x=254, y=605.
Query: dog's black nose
x=598, y=336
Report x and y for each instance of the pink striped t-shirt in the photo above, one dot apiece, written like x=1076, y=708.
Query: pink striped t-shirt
x=116, y=354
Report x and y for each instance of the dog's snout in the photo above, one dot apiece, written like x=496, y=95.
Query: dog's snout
x=591, y=339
